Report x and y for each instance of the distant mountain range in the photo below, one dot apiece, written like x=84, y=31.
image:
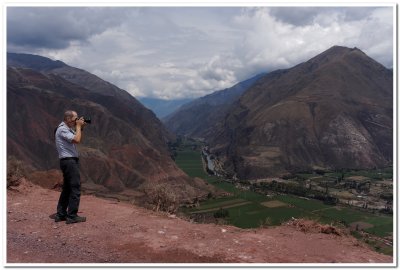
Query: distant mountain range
x=163, y=107
x=123, y=148
x=199, y=117
x=331, y=112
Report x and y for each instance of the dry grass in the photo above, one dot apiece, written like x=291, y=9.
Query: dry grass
x=357, y=178
x=311, y=226
x=273, y=204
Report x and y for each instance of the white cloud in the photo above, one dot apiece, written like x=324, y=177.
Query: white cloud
x=270, y=43
x=176, y=53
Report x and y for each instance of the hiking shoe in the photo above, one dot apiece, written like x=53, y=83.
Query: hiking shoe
x=58, y=218
x=76, y=219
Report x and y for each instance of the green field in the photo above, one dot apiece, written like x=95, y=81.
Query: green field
x=190, y=162
x=254, y=213
x=378, y=174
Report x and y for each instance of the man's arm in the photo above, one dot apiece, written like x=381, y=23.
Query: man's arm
x=78, y=132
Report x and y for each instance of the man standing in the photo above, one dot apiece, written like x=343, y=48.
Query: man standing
x=66, y=140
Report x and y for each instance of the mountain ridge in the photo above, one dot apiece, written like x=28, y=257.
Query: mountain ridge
x=309, y=116
x=197, y=117
x=163, y=107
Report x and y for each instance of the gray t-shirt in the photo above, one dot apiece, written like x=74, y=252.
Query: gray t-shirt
x=65, y=147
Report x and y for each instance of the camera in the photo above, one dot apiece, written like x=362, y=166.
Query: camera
x=87, y=120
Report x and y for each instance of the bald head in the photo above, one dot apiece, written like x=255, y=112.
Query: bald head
x=69, y=114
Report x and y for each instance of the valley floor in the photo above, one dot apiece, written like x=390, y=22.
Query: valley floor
x=117, y=232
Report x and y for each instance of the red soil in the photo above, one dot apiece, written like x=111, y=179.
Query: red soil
x=117, y=232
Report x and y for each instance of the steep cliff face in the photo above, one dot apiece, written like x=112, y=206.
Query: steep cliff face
x=333, y=111
x=124, y=147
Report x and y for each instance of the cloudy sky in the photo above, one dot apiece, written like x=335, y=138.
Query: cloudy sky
x=185, y=52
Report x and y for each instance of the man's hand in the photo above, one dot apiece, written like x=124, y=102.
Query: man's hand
x=80, y=122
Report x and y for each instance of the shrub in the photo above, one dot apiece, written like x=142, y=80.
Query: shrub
x=16, y=170
x=162, y=198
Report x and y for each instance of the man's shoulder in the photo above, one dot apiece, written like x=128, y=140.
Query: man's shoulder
x=62, y=125
x=62, y=128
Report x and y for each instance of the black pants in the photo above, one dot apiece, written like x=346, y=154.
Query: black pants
x=68, y=203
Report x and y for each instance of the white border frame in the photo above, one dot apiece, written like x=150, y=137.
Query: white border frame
x=208, y=3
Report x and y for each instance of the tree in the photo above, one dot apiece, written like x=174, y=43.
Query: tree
x=340, y=178
x=221, y=213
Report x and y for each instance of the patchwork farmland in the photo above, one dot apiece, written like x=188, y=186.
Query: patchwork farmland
x=248, y=209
